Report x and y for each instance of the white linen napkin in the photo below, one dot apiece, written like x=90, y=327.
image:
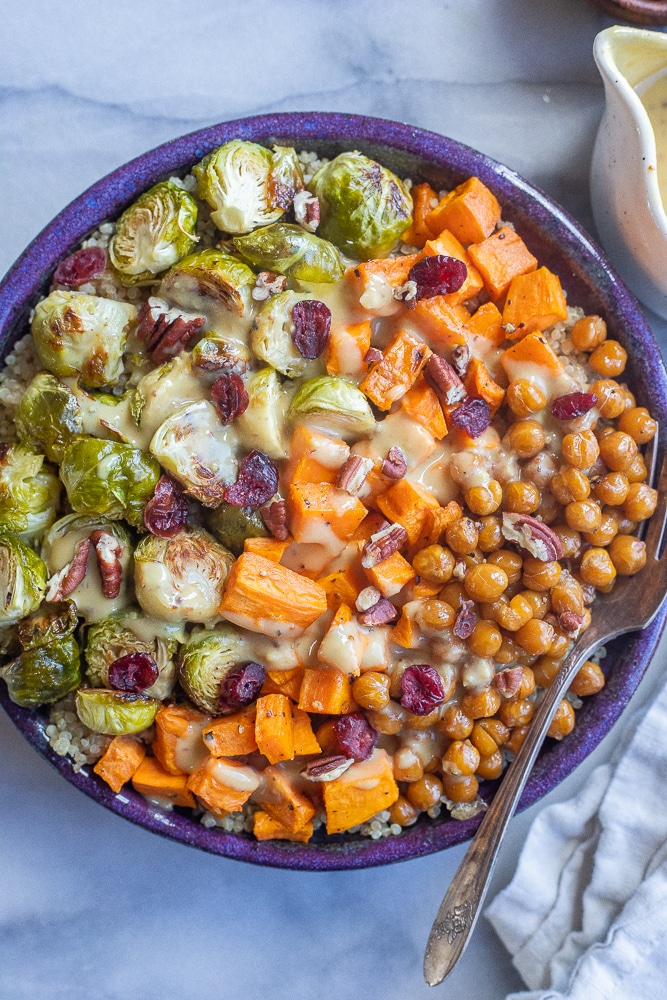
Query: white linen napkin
x=585, y=916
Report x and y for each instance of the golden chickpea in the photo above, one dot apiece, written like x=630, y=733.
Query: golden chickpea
x=625, y=525
x=402, y=812
x=540, y=469
x=434, y=563
x=516, y=713
x=490, y=534
x=569, y=485
x=424, y=793
x=460, y=789
x=628, y=554
x=540, y=602
x=486, y=639
x=562, y=722
x=524, y=398
x=638, y=423
x=388, y=720
x=461, y=758
x=535, y=637
x=637, y=472
x=435, y=615
x=483, y=740
x=412, y=721
x=521, y=498
x=371, y=690
x=486, y=499
x=606, y=531
x=407, y=765
x=570, y=541
x=327, y=738
x=526, y=438
x=580, y=449
x=588, y=680
x=618, y=451
x=491, y=767
x=509, y=652
x=545, y=669
x=597, y=568
x=567, y=595
x=612, y=488
x=640, y=502
x=559, y=646
x=481, y=704
x=513, y=615
x=611, y=398
x=486, y=582
x=510, y=562
x=517, y=736
x=609, y=359
x=583, y=515
x=527, y=685
x=453, y=593
x=462, y=536
x=496, y=729
x=455, y=723
x=588, y=333
x=538, y=575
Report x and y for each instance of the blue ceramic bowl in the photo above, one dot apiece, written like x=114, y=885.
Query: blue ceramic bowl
x=589, y=281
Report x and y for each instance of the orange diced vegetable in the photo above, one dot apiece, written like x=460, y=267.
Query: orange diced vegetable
x=270, y=548
x=343, y=644
x=371, y=523
x=421, y=590
x=282, y=799
x=421, y=403
x=390, y=575
x=287, y=682
x=178, y=744
x=347, y=347
x=405, y=633
x=533, y=350
x=343, y=586
x=264, y=596
x=470, y=211
x=273, y=727
x=424, y=199
x=305, y=741
x=500, y=258
x=479, y=383
x=314, y=506
x=390, y=378
x=435, y=523
x=408, y=503
x=152, y=780
x=265, y=827
x=487, y=321
x=223, y=785
x=232, y=735
x=326, y=692
x=366, y=788
x=444, y=324
x=446, y=243
x=393, y=270
x=534, y=301
x=315, y=457
x=120, y=761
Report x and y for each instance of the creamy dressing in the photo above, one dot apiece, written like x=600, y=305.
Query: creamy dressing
x=91, y=603
x=238, y=777
x=190, y=750
x=653, y=95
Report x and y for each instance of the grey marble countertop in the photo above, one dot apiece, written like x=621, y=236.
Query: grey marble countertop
x=91, y=906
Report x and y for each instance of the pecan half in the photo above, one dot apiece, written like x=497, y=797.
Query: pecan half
x=230, y=397
x=570, y=622
x=444, y=381
x=353, y=473
x=532, y=535
x=394, y=465
x=167, y=510
x=379, y=614
x=383, y=544
x=367, y=598
x=307, y=210
x=461, y=359
x=66, y=580
x=327, y=768
x=108, y=550
x=508, y=682
x=466, y=619
x=268, y=283
x=274, y=516
x=167, y=331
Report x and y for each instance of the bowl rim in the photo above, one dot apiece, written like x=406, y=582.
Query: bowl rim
x=581, y=258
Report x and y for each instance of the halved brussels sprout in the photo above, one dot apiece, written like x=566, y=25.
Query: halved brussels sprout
x=238, y=182
x=215, y=353
x=109, y=478
x=43, y=674
x=47, y=624
x=22, y=579
x=334, y=403
x=271, y=335
x=181, y=579
x=210, y=281
x=286, y=176
x=115, y=713
x=262, y=426
x=364, y=207
x=153, y=233
x=198, y=451
x=205, y=660
x=290, y=250
x=48, y=417
x=77, y=334
x=127, y=632
x=29, y=492
x=58, y=549
x=173, y=384
x=231, y=525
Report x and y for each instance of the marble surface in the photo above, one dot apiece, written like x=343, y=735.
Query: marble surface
x=90, y=905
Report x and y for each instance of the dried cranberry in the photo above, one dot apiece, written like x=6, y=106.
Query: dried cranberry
x=312, y=323
x=575, y=404
x=166, y=512
x=230, y=397
x=242, y=684
x=422, y=689
x=356, y=737
x=134, y=672
x=472, y=416
x=80, y=267
x=466, y=619
x=257, y=482
x=437, y=275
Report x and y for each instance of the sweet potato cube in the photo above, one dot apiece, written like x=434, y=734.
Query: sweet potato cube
x=501, y=257
x=445, y=325
x=232, y=735
x=405, y=633
x=152, y=780
x=265, y=827
x=420, y=590
x=343, y=645
x=470, y=211
x=436, y=521
x=287, y=682
x=223, y=785
x=447, y=244
x=366, y=788
x=534, y=301
x=421, y=403
x=178, y=738
x=316, y=457
x=371, y=523
x=273, y=727
x=315, y=509
x=479, y=383
x=305, y=741
x=487, y=322
x=120, y=761
x=264, y=596
x=342, y=586
x=407, y=503
x=282, y=799
x=347, y=347
x=402, y=362
x=390, y=575
x=424, y=199
x=529, y=357
x=326, y=692
x=270, y=548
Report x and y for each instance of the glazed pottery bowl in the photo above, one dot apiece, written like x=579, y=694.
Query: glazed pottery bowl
x=558, y=243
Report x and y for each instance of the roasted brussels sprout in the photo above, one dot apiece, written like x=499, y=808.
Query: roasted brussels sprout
x=211, y=283
x=43, y=674
x=77, y=334
x=153, y=233
x=22, y=579
x=215, y=353
x=109, y=478
x=173, y=383
x=29, y=492
x=336, y=404
x=364, y=207
x=198, y=451
x=231, y=525
x=181, y=579
x=271, y=335
x=262, y=426
x=127, y=632
x=48, y=417
x=115, y=713
x=290, y=250
x=47, y=624
x=59, y=548
x=205, y=661
x=246, y=185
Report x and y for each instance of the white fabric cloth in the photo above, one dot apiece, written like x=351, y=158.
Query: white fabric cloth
x=585, y=916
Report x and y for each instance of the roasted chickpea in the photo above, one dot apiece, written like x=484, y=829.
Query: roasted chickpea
x=538, y=575
x=517, y=736
x=524, y=397
x=436, y=615
x=606, y=531
x=371, y=690
x=518, y=712
x=526, y=438
x=455, y=723
x=462, y=536
x=515, y=613
x=570, y=541
x=327, y=739
x=490, y=534
x=637, y=472
x=496, y=729
x=540, y=469
x=588, y=333
x=491, y=767
x=611, y=398
x=612, y=488
x=562, y=722
x=640, y=502
x=609, y=359
x=424, y=721
x=481, y=704
x=435, y=563
x=510, y=562
x=545, y=669
x=460, y=789
x=583, y=515
x=628, y=554
x=486, y=582
x=486, y=639
x=388, y=720
x=539, y=602
x=588, y=680
x=425, y=792
x=482, y=740
x=535, y=637
x=521, y=498
x=580, y=449
x=484, y=499
x=559, y=646
x=407, y=765
x=638, y=423
x=509, y=652
x=402, y=812
x=618, y=451
x=597, y=568
x=453, y=593
x=461, y=758
x=567, y=595
x=569, y=485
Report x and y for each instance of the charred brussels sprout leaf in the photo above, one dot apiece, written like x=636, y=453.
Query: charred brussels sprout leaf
x=231, y=525
x=22, y=579
x=77, y=334
x=153, y=233
x=364, y=207
x=205, y=661
x=115, y=713
x=216, y=353
x=335, y=403
x=109, y=478
x=244, y=184
x=262, y=426
x=44, y=673
x=286, y=177
x=126, y=632
x=48, y=417
x=29, y=492
x=47, y=624
x=290, y=250
x=210, y=278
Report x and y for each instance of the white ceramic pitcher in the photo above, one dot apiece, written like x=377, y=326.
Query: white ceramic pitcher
x=628, y=210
